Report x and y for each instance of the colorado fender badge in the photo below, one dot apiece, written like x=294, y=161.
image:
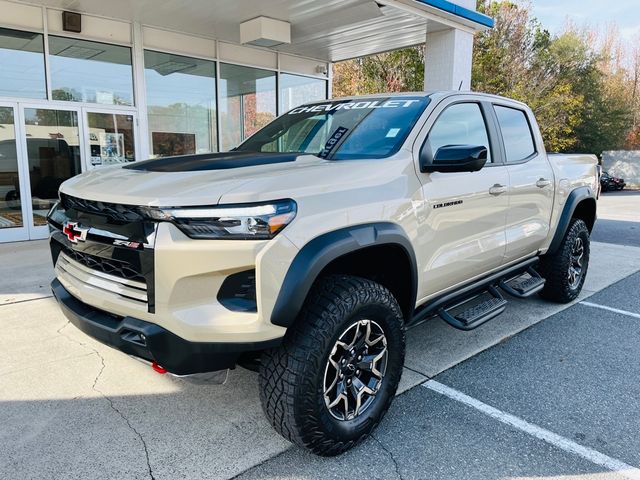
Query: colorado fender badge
x=75, y=233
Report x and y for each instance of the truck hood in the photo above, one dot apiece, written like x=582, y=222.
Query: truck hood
x=184, y=181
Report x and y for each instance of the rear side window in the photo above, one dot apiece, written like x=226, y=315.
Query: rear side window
x=460, y=124
x=516, y=133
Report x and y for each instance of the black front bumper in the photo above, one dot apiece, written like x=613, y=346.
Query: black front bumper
x=151, y=342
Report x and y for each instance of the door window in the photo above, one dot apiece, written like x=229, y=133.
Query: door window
x=53, y=151
x=10, y=204
x=460, y=124
x=516, y=133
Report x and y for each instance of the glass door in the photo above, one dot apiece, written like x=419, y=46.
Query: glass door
x=109, y=137
x=52, y=146
x=13, y=211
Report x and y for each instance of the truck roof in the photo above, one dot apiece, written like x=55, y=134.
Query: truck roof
x=434, y=94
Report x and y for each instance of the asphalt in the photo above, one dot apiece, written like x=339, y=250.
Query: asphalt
x=584, y=389
x=73, y=408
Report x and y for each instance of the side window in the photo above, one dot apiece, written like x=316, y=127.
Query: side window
x=460, y=124
x=516, y=133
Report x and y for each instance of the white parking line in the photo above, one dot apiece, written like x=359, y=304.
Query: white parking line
x=551, y=438
x=611, y=309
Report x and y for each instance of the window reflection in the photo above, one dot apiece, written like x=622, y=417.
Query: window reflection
x=297, y=89
x=93, y=72
x=181, y=99
x=247, y=102
x=22, y=62
x=10, y=205
x=53, y=151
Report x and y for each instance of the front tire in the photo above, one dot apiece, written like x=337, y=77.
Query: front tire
x=566, y=270
x=332, y=380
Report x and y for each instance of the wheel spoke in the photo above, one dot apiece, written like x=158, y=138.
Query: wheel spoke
x=355, y=369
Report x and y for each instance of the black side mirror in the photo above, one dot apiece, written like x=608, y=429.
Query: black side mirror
x=455, y=158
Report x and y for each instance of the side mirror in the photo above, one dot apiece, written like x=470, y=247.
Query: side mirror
x=455, y=158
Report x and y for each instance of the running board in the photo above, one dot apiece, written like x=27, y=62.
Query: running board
x=472, y=312
x=524, y=285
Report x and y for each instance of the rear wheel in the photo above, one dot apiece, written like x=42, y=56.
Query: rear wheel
x=565, y=271
x=335, y=375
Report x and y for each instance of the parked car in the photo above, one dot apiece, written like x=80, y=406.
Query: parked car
x=609, y=182
x=308, y=250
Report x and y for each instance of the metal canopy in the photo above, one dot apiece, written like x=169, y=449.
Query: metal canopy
x=330, y=30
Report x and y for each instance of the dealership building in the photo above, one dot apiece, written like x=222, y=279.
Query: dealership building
x=90, y=83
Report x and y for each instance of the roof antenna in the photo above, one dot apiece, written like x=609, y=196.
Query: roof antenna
x=460, y=86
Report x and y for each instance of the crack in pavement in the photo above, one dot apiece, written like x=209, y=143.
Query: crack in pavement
x=110, y=400
x=388, y=452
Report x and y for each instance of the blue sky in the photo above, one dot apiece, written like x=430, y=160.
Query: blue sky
x=596, y=13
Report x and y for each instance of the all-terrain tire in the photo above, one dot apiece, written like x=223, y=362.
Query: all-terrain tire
x=292, y=377
x=555, y=267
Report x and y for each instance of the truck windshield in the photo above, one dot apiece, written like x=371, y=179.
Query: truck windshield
x=341, y=129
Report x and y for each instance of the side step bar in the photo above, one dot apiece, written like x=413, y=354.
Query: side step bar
x=477, y=311
x=520, y=287
x=451, y=306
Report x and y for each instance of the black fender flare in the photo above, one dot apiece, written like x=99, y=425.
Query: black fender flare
x=574, y=198
x=322, y=250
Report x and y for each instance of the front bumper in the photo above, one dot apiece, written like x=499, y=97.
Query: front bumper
x=151, y=342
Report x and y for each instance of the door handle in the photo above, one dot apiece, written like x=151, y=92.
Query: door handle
x=543, y=182
x=497, y=189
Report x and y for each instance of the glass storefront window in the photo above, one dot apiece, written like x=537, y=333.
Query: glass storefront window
x=247, y=102
x=10, y=205
x=83, y=71
x=22, y=61
x=53, y=151
x=110, y=138
x=181, y=104
x=296, y=90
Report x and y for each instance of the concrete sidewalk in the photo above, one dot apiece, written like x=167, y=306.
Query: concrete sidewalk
x=73, y=408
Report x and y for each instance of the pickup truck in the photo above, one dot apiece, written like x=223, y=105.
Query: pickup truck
x=307, y=251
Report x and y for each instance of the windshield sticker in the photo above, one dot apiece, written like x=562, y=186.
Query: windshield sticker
x=333, y=141
x=393, y=133
x=330, y=107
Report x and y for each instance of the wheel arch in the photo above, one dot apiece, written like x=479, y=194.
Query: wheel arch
x=378, y=251
x=581, y=203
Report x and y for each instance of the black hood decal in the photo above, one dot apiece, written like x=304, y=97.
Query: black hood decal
x=212, y=161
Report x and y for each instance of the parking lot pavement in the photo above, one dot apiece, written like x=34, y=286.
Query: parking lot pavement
x=618, y=218
x=584, y=391
x=73, y=408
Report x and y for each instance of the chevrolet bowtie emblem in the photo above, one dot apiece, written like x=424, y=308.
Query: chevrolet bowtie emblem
x=74, y=232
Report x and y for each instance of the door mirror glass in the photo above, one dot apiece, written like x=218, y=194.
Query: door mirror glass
x=456, y=158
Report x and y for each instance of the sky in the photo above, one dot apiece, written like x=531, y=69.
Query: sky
x=595, y=13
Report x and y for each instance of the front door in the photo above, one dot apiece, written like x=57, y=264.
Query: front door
x=462, y=232
x=109, y=137
x=14, y=212
x=51, y=142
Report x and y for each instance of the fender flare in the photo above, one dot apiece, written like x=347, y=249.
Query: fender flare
x=322, y=250
x=574, y=198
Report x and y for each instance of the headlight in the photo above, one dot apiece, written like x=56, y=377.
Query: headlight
x=244, y=222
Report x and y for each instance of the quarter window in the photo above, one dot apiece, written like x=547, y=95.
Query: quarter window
x=516, y=133
x=460, y=124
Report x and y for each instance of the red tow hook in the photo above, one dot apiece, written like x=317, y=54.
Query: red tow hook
x=157, y=368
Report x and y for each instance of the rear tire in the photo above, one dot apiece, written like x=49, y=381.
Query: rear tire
x=349, y=341
x=565, y=270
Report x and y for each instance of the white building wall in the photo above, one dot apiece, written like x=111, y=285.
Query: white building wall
x=448, y=57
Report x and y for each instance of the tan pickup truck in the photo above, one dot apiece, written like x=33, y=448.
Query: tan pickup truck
x=307, y=251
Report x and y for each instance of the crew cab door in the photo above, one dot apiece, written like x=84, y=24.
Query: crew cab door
x=531, y=181
x=461, y=232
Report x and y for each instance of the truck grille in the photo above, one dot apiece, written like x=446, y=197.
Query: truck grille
x=110, y=266
x=73, y=267
x=117, y=212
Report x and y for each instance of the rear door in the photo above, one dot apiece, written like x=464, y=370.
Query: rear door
x=531, y=181
x=462, y=227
